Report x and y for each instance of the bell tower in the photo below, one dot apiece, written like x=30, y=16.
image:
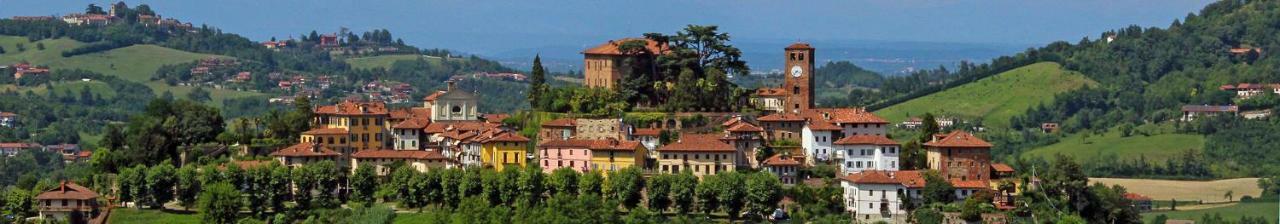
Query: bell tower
x=798, y=80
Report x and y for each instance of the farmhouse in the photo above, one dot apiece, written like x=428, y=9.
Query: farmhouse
x=785, y=167
x=8, y=119
x=701, y=154
x=1191, y=112
x=68, y=201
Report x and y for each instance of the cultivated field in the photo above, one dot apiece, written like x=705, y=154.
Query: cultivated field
x=1157, y=147
x=1231, y=212
x=1208, y=191
x=994, y=99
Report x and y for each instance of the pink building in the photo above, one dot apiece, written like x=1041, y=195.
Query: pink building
x=572, y=153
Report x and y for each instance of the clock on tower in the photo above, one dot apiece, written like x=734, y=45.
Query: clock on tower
x=798, y=81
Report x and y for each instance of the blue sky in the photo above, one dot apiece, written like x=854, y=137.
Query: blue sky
x=492, y=27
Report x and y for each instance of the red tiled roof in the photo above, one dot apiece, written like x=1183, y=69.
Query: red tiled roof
x=1136, y=197
x=420, y=112
x=614, y=145
x=326, y=131
x=970, y=184
x=1249, y=86
x=799, y=45
x=566, y=143
x=865, y=140
x=7, y=114
x=698, y=143
x=434, y=96
x=820, y=125
x=910, y=178
x=401, y=114
x=745, y=127
x=781, y=117
x=305, y=149
x=441, y=127
x=780, y=160
x=18, y=145
x=611, y=47
x=68, y=190
x=872, y=177
x=412, y=123
x=647, y=132
x=844, y=116
x=508, y=137
x=397, y=154
x=562, y=122
x=495, y=117
x=1226, y=87
x=354, y=108
x=1001, y=167
x=959, y=139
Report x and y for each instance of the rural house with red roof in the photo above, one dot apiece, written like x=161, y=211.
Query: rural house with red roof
x=68, y=201
x=785, y=167
x=700, y=153
x=960, y=155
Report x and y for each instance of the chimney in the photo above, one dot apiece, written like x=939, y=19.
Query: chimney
x=450, y=85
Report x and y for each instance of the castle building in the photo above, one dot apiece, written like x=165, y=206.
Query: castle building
x=960, y=155
x=603, y=65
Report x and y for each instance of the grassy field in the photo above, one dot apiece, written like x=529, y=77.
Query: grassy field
x=130, y=215
x=1156, y=147
x=134, y=63
x=994, y=99
x=1232, y=212
x=1208, y=191
x=385, y=61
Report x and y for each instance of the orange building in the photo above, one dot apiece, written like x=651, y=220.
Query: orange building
x=602, y=64
x=960, y=156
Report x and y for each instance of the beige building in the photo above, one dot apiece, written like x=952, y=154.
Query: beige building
x=598, y=129
x=305, y=152
x=701, y=154
x=382, y=159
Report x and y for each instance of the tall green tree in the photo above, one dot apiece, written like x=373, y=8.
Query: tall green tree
x=764, y=190
x=591, y=182
x=937, y=189
x=364, y=184
x=188, y=186
x=625, y=186
x=220, y=203
x=683, y=186
x=160, y=182
x=562, y=180
x=537, y=82
x=532, y=185
x=658, y=192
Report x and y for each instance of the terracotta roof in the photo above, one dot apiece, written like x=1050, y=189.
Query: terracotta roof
x=799, y=45
x=970, y=184
x=770, y=92
x=508, y=137
x=1249, y=86
x=959, y=139
x=745, y=127
x=866, y=140
x=698, y=143
x=326, y=131
x=820, y=125
x=434, y=96
x=611, y=47
x=910, y=178
x=647, y=132
x=495, y=117
x=872, y=177
x=781, y=117
x=562, y=122
x=1136, y=197
x=348, y=107
x=7, y=114
x=566, y=143
x=614, y=145
x=1001, y=167
x=305, y=149
x=1226, y=87
x=844, y=116
x=412, y=123
x=1209, y=108
x=398, y=154
x=68, y=190
x=732, y=121
x=403, y=113
x=780, y=160
x=18, y=145
x=441, y=127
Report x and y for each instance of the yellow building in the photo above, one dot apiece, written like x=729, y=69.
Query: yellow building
x=364, y=125
x=701, y=154
x=612, y=155
x=504, y=149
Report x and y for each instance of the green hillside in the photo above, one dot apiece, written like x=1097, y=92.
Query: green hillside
x=1232, y=212
x=1160, y=145
x=385, y=61
x=134, y=63
x=994, y=99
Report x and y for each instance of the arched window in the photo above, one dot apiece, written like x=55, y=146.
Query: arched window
x=456, y=109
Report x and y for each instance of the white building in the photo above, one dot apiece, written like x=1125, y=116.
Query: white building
x=857, y=153
x=408, y=134
x=825, y=126
x=816, y=139
x=873, y=195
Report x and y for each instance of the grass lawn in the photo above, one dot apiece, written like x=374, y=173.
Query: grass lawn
x=383, y=61
x=1156, y=148
x=132, y=215
x=1232, y=213
x=217, y=95
x=994, y=99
